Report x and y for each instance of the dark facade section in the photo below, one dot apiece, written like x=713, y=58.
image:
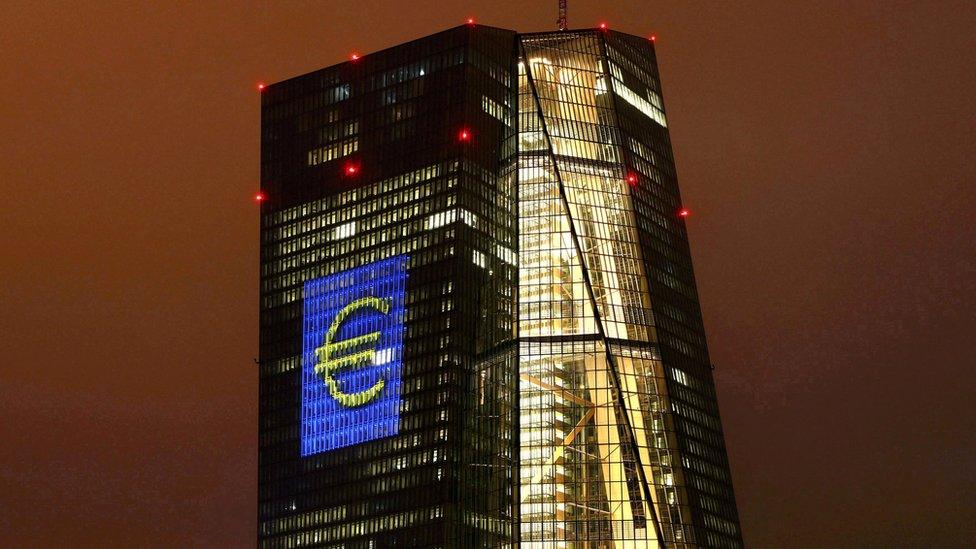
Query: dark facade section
x=405, y=152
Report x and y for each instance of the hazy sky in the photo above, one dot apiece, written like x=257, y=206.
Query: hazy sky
x=826, y=150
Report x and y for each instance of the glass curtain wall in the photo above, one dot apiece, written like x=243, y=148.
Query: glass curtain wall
x=597, y=457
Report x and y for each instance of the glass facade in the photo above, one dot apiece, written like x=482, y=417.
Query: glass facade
x=479, y=321
x=621, y=444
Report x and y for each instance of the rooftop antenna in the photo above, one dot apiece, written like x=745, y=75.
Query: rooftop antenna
x=562, y=15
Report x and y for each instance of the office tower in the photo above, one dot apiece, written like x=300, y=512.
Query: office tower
x=479, y=322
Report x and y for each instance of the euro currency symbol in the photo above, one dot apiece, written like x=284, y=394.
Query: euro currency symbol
x=356, y=352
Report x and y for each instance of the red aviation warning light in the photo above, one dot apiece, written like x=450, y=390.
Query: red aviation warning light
x=653, y=38
x=603, y=26
x=684, y=212
x=632, y=180
x=261, y=86
x=464, y=135
x=354, y=57
x=259, y=197
x=470, y=20
x=351, y=170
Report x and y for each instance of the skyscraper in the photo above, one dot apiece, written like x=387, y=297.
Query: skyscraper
x=479, y=321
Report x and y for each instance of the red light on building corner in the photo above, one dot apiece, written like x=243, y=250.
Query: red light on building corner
x=684, y=212
x=259, y=197
x=351, y=170
x=261, y=86
x=632, y=180
x=603, y=26
x=354, y=57
x=471, y=20
x=464, y=135
x=653, y=38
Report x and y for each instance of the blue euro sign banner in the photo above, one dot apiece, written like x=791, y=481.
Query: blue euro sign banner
x=352, y=355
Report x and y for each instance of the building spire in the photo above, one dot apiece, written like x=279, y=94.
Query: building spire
x=562, y=15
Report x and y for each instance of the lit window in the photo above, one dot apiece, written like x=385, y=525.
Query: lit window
x=680, y=376
x=333, y=151
x=383, y=356
x=505, y=254
x=645, y=106
x=344, y=231
x=441, y=219
x=495, y=109
x=479, y=259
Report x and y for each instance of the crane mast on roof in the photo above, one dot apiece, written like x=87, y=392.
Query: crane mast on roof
x=562, y=15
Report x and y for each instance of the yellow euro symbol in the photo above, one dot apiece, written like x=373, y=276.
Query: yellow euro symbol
x=329, y=364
